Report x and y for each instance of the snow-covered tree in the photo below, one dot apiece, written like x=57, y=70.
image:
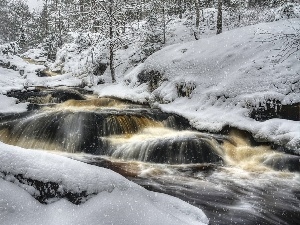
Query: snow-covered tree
x=54, y=24
x=14, y=17
x=108, y=18
x=152, y=36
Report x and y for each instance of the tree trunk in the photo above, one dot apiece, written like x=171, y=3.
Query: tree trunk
x=164, y=24
x=219, y=18
x=60, y=28
x=47, y=18
x=197, y=8
x=111, y=44
x=179, y=9
x=111, y=64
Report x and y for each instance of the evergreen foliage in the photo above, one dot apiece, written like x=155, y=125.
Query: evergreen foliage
x=152, y=36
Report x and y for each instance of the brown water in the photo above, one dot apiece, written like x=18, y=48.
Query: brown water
x=232, y=178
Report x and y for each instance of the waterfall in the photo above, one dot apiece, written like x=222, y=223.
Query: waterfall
x=228, y=175
x=107, y=126
x=128, y=131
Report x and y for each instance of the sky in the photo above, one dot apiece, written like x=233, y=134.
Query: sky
x=35, y=4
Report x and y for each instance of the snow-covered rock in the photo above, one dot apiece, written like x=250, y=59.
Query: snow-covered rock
x=112, y=199
x=228, y=75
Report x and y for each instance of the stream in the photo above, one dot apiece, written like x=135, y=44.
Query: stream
x=232, y=178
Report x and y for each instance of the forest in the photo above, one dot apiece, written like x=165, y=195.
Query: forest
x=117, y=23
x=164, y=112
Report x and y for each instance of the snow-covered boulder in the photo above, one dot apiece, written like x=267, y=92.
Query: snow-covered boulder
x=225, y=77
x=104, y=197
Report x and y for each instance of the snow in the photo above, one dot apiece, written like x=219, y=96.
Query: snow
x=120, y=90
x=233, y=72
x=9, y=105
x=37, y=54
x=35, y=5
x=114, y=200
x=13, y=80
x=10, y=79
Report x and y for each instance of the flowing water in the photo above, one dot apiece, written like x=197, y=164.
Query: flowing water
x=231, y=177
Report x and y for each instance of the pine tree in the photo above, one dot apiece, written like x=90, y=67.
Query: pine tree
x=14, y=16
x=22, y=38
x=152, y=36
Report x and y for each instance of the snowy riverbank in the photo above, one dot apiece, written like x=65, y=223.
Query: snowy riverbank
x=224, y=77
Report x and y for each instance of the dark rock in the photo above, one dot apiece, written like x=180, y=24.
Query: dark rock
x=101, y=81
x=49, y=191
x=185, y=89
x=274, y=109
x=65, y=94
x=153, y=78
x=290, y=112
x=100, y=69
x=39, y=96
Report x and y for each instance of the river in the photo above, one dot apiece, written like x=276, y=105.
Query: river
x=230, y=176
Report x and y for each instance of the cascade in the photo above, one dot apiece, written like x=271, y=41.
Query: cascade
x=108, y=126
x=230, y=176
x=163, y=145
x=81, y=122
